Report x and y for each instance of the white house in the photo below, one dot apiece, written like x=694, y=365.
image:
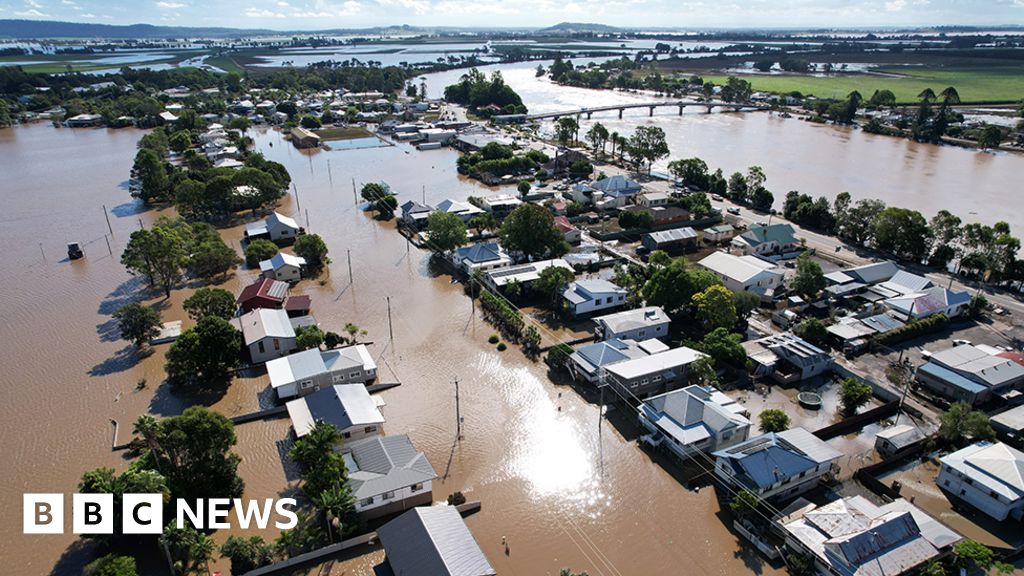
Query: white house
x=349, y=407
x=522, y=274
x=277, y=227
x=744, y=273
x=431, y=540
x=500, y=205
x=639, y=324
x=787, y=358
x=693, y=419
x=588, y=362
x=652, y=199
x=777, y=238
x=310, y=370
x=283, y=266
x=930, y=301
x=719, y=233
x=267, y=334
x=593, y=295
x=776, y=465
x=482, y=257
x=463, y=210
x=657, y=372
x=416, y=214
x=386, y=475
x=989, y=477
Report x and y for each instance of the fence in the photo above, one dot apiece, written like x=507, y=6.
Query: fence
x=858, y=421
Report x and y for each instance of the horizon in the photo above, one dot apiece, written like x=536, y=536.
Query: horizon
x=662, y=15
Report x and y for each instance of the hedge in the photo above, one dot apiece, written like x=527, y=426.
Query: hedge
x=913, y=329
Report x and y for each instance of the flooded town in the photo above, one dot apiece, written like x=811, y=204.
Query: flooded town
x=584, y=299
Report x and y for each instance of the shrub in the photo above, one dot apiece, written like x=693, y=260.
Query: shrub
x=854, y=394
x=456, y=499
x=494, y=339
x=502, y=347
x=913, y=329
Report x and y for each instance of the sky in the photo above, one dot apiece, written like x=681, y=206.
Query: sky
x=690, y=14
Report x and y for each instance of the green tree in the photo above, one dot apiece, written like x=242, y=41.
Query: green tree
x=5, y=115
x=240, y=123
x=530, y=230
x=812, y=330
x=212, y=258
x=159, y=254
x=569, y=572
x=447, y=231
x=308, y=337
x=552, y=283
x=724, y=348
x=810, y=279
x=738, y=189
x=960, y=423
x=373, y=191
x=481, y=222
x=945, y=232
x=259, y=250
x=310, y=122
x=745, y=504
x=902, y=232
x=745, y=302
x=691, y=172
x=323, y=468
x=247, y=554
x=773, y=420
x=853, y=394
x=857, y=224
x=523, y=188
x=566, y=129
x=673, y=287
x=648, y=144
x=135, y=480
x=137, y=323
x=111, y=565
x=205, y=353
x=313, y=249
x=597, y=136
x=990, y=137
x=190, y=550
x=180, y=141
x=968, y=553
x=210, y=302
x=149, y=177
x=715, y=308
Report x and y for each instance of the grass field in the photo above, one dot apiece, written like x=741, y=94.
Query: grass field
x=348, y=133
x=975, y=84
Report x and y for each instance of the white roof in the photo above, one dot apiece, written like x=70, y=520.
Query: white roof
x=654, y=363
x=979, y=365
x=997, y=467
x=693, y=413
x=295, y=367
x=263, y=323
x=343, y=405
x=524, y=273
x=282, y=259
x=632, y=319
x=281, y=218
x=738, y=268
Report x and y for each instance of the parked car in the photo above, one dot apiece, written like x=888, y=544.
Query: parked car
x=733, y=210
x=717, y=198
x=961, y=342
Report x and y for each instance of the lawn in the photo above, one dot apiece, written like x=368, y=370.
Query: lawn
x=346, y=133
x=976, y=84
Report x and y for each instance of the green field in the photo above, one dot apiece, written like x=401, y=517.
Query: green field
x=975, y=84
x=59, y=63
x=347, y=133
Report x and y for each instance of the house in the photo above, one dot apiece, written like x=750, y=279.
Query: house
x=348, y=407
x=744, y=273
x=969, y=374
x=524, y=274
x=773, y=239
x=786, y=358
x=276, y=227
x=592, y=295
x=387, y=475
x=310, y=370
x=588, y=361
x=853, y=536
x=168, y=117
x=482, y=257
x=692, y=420
x=652, y=199
x=463, y=210
x=83, y=120
x=639, y=324
x=933, y=300
x=472, y=142
x=661, y=371
x=415, y=214
x=720, y=233
x=895, y=439
x=431, y=541
x=776, y=465
x=500, y=205
x=617, y=186
x=671, y=240
x=989, y=477
x=267, y=334
x=303, y=138
x=1009, y=425
x=283, y=266
x=853, y=282
x=571, y=233
x=263, y=293
x=563, y=161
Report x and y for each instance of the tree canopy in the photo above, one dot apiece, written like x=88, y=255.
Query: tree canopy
x=137, y=323
x=205, y=353
x=530, y=230
x=210, y=302
x=447, y=231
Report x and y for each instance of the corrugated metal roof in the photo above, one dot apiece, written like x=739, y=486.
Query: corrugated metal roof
x=738, y=268
x=996, y=466
x=655, y=363
x=432, y=541
x=265, y=322
x=385, y=464
x=631, y=319
x=343, y=405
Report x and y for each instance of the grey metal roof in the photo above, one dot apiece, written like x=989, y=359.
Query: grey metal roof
x=979, y=366
x=591, y=357
x=872, y=273
x=996, y=466
x=673, y=235
x=484, y=252
x=263, y=323
x=692, y=413
x=764, y=460
x=343, y=405
x=295, y=367
x=616, y=184
x=432, y=541
x=1012, y=419
x=902, y=435
x=385, y=464
x=742, y=269
x=632, y=319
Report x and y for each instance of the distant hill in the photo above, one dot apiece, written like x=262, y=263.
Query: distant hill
x=52, y=29
x=577, y=27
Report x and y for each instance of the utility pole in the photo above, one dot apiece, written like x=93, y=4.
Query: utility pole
x=349, y=254
x=298, y=206
x=330, y=177
x=458, y=413
x=355, y=197
x=307, y=219
x=424, y=194
x=107, y=216
x=107, y=238
x=391, y=330
x=141, y=226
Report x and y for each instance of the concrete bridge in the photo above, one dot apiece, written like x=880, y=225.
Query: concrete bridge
x=680, y=104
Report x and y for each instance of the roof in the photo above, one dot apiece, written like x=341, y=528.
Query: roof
x=302, y=133
x=721, y=228
x=655, y=363
x=526, y=272
x=930, y=301
x=592, y=356
x=487, y=252
x=282, y=259
x=295, y=367
x=588, y=289
x=563, y=224
x=867, y=273
x=950, y=377
x=298, y=303
x=1015, y=356
x=997, y=467
x=457, y=207
x=673, y=235
x=343, y=405
x=779, y=233
x=265, y=323
x=433, y=541
x=264, y=288
x=764, y=460
x=693, y=413
x=356, y=356
x=979, y=366
x=414, y=207
x=739, y=268
x=633, y=319
x=382, y=464
x=901, y=435
x=616, y=185
x=904, y=282
x=882, y=323
x=278, y=218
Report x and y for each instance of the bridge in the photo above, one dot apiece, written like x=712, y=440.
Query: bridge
x=680, y=104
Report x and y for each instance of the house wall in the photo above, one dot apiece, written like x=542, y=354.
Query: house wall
x=721, y=440
x=359, y=432
x=785, y=490
x=644, y=333
x=603, y=302
x=965, y=489
x=271, y=348
x=284, y=274
x=282, y=232
x=654, y=383
x=947, y=390
x=329, y=378
x=402, y=499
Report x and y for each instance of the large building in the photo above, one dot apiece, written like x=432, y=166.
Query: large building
x=744, y=273
x=970, y=374
x=692, y=420
x=588, y=362
x=989, y=477
x=310, y=370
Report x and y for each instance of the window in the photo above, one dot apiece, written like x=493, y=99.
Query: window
x=353, y=374
x=621, y=297
x=277, y=344
x=968, y=481
x=305, y=385
x=417, y=487
x=993, y=494
x=366, y=501
x=370, y=429
x=657, y=328
x=656, y=379
x=347, y=434
x=338, y=378
x=643, y=382
x=641, y=333
x=262, y=350
x=388, y=496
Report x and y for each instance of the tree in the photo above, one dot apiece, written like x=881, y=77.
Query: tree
x=159, y=254
x=809, y=279
x=193, y=452
x=447, y=231
x=180, y=141
x=312, y=248
x=945, y=235
x=745, y=503
x=990, y=137
x=373, y=191
x=212, y=258
x=210, y=302
x=566, y=129
x=523, y=188
x=648, y=144
x=674, y=286
x=715, y=308
x=137, y=323
x=308, y=337
x=745, y=302
x=190, y=550
x=812, y=330
x=960, y=423
x=135, y=480
x=882, y=98
x=853, y=394
x=597, y=136
x=773, y=420
x=205, y=353
x=310, y=122
x=738, y=189
x=111, y=565
x=149, y=176
x=691, y=172
x=857, y=223
x=247, y=554
x=552, y=282
x=970, y=552
x=569, y=572
x=724, y=347
x=323, y=468
x=902, y=232
x=530, y=230
x=259, y=250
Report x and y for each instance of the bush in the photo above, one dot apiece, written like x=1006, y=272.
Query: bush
x=854, y=394
x=497, y=311
x=913, y=329
x=502, y=347
x=258, y=250
x=456, y=499
x=494, y=339
x=773, y=420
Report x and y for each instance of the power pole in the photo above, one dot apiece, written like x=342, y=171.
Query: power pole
x=307, y=219
x=391, y=330
x=107, y=216
x=458, y=413
x=107, y=238
x=349, y=254
x=298, y=206
x=355, y=197
x=424, y=191
x=330, y=177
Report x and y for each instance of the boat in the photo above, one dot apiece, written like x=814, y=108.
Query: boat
x=75, y=251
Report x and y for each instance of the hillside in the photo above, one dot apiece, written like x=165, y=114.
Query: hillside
x=578, y=27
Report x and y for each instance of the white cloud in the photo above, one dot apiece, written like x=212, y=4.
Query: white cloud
x=895, y=5
x=163, y=4
x=33, y=4
x=88, y=15
x=324, y=9
x=283, y=4
x=258, y=13
x=32, y=13
x=69, y=2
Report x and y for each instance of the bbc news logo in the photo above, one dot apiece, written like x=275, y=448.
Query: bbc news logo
x=144, y=513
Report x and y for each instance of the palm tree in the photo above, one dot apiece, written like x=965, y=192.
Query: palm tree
x=334, y=503
x=615, y=141
x=927, y=96
x=855, y=97
x=950, y=96
x=312, y=447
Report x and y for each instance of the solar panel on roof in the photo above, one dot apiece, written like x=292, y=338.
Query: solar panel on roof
x=512, y=271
